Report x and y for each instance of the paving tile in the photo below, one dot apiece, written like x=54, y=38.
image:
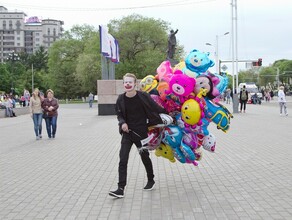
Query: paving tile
x=248, y=177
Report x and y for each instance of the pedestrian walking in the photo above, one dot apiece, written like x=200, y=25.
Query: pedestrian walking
x=282, y=101
x=90, y=99
x=133, y=109
x=50, y=106
x=36, y=112
x=26, y=95
x=228, y=96
x=243, y=97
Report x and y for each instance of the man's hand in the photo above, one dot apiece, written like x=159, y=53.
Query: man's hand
x=125, y=127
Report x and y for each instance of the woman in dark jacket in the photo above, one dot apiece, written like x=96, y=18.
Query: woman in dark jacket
x=50, y=107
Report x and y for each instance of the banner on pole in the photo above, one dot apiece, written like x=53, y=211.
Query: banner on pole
x=109, y=46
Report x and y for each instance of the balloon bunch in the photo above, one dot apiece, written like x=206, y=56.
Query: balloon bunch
x=189, y=94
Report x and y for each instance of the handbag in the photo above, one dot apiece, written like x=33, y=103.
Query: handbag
x=45, y=114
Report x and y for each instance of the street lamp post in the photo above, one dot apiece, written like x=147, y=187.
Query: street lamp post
x=217, y=51
x=12, y=57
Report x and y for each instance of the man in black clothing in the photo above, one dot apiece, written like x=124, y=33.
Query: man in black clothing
x=243, y=97
x=136, y=111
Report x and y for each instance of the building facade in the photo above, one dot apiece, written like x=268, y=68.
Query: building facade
x=21, y=34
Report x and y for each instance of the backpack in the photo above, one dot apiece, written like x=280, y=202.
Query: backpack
x=243, y=95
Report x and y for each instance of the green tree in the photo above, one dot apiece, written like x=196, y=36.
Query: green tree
x=267, y=76
x=285, y=70
x=88, y=69
x=248, y=76
x=5, y=78
x=143, y=44
x=64, y=56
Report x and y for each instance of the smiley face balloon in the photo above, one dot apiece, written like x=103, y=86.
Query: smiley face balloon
x=191, y=112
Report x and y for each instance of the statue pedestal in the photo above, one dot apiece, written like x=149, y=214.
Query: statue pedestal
x=173, y=62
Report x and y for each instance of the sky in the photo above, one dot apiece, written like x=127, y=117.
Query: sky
x=264, y=28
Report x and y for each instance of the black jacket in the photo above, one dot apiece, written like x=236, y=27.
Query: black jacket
x=152, y=109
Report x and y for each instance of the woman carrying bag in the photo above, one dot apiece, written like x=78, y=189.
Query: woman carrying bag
x=50, y=106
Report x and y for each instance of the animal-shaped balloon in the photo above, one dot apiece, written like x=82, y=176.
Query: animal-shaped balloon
x=164, y=150
x=198, y=62
x=164, y=71
x=181, y=85
x=209, y=83
x=172, y=136
x=209, y=142
x=182, y=66
x=148, y=84
x=162, y=88
x=223, y=83
x=166, y=100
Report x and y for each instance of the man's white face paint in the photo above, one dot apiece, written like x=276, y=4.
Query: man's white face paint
x=129, y=84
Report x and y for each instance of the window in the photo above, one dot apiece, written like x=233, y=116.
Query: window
x=18, y=25
x=10, y=25
x=4, y=24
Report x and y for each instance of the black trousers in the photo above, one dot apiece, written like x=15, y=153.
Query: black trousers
x=243, y=104
x=126, y=144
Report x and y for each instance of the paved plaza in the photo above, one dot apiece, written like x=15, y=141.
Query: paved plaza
x=248, y=177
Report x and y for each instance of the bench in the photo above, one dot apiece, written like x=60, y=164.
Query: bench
x=18, y=111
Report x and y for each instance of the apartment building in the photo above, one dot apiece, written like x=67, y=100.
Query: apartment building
x=21, y=33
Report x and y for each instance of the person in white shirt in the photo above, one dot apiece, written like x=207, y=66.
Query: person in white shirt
x=282, y=101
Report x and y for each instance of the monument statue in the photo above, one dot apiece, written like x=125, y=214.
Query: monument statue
x=171, y=44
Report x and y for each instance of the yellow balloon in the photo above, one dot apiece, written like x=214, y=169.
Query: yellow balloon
x=148, y=83
x=179, y=66
x=191, y=112
x=165, y=151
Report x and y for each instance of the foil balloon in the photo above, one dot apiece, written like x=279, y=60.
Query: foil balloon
x=187, y=151
x=148, y=84
x=219, y=114
x=165, y=151
x=154, y=138
x=164, y=71
x=191, y=112
x=181, y=85
x=198, y=62
x=209, y=142
x=172, y=136
x=190, y=139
